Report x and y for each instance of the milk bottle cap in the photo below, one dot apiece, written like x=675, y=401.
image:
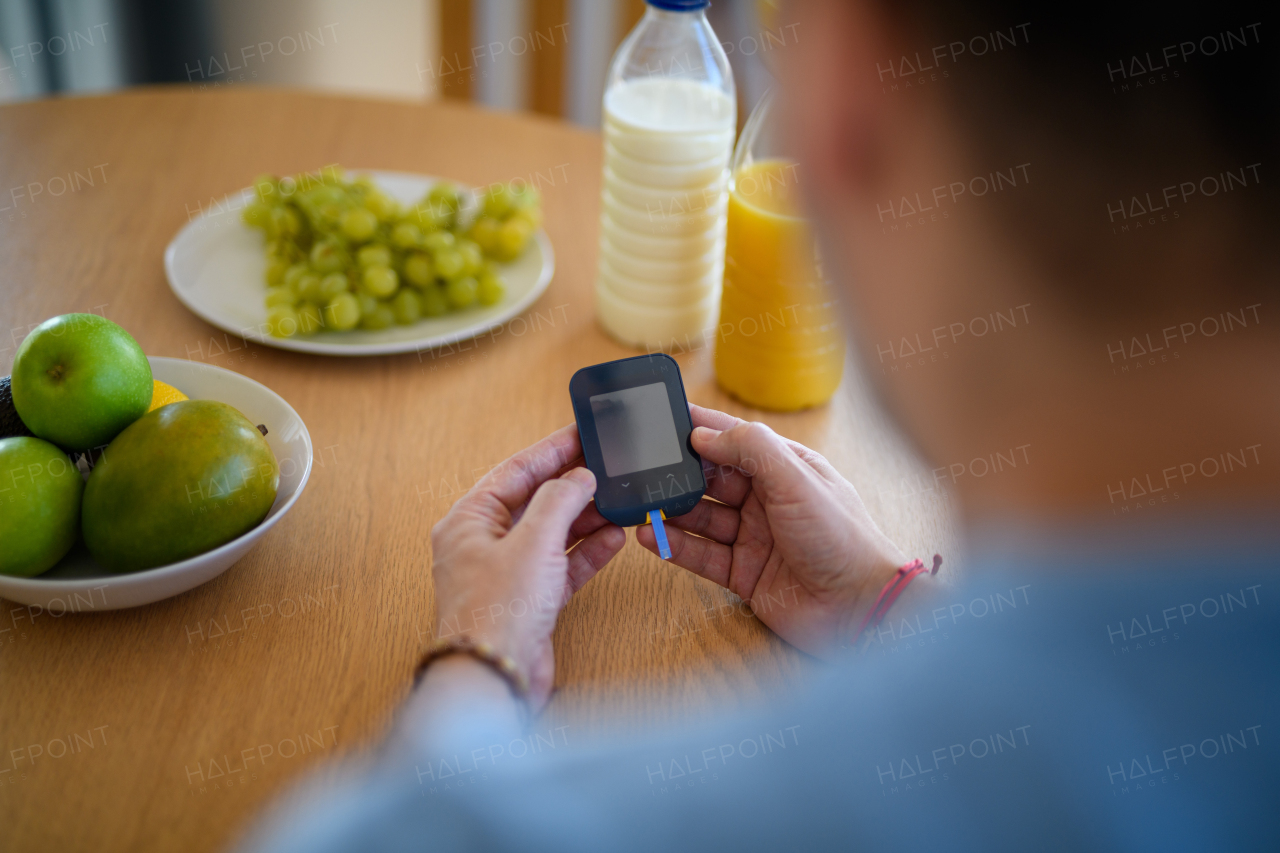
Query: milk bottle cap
x=679, y=5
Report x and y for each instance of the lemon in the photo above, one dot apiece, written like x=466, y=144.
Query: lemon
x=163, y=395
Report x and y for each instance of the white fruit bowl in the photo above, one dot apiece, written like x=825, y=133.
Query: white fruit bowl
x=78, y=584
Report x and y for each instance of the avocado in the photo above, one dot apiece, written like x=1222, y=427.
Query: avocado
x=11, y=426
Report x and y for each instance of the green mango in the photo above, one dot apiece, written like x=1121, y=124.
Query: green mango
x=177, y=482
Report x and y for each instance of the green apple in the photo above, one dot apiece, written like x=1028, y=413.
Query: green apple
x=40, y=493
x=79, y=379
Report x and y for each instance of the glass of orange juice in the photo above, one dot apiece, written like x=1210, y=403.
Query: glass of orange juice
x=779, y=345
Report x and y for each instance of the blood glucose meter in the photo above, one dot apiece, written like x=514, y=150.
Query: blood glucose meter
x=633, y=420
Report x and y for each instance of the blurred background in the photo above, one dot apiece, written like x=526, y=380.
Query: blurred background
x=545, y=56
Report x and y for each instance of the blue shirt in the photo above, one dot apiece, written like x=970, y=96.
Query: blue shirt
x=1061, y=700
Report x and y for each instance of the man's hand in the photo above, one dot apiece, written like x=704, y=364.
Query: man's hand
x=784, y=531
x=499, y=557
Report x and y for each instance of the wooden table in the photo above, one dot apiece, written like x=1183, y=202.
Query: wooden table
x=152, y=699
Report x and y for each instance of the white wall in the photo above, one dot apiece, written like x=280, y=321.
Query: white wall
x=370, y=47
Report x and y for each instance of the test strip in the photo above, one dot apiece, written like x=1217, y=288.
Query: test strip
x=660, y=534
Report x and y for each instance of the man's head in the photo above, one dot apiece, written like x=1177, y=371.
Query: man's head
x=1037, y=220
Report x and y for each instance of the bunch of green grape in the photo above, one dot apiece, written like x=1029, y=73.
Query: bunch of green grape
x=343, y=254
x=507, y=221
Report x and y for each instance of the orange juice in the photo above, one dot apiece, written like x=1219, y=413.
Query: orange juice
x=779, y=344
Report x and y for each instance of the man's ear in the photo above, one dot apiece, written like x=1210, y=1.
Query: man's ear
x=834, y=110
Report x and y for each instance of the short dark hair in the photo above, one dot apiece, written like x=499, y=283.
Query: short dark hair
x=1120, y=101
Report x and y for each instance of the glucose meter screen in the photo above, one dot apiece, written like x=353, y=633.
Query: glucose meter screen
x=635, y=429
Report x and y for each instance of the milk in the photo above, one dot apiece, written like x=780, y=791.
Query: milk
x=666, y=168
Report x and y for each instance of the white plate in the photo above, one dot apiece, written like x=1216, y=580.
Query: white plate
x=78, y=584
x=216, y=265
